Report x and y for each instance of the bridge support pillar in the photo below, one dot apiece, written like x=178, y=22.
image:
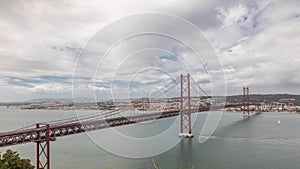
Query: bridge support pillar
x=245, y=105
x=43, y=149
x=185, y=107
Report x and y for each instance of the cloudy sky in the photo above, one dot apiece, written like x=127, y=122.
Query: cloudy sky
x=42, y=44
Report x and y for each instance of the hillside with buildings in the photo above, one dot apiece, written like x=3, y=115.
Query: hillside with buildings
x=258, y=102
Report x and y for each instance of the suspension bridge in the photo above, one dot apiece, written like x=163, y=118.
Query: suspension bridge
x=181, y=97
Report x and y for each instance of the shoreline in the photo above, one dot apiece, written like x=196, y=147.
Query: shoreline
x=93, y=109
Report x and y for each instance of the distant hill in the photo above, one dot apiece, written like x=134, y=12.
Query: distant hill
x=49, y=100
x=58, y=100
x=42, y=100
x=268, y=98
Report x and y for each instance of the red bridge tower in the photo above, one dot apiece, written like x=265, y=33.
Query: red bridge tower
x=185, y=106
x=245, y=105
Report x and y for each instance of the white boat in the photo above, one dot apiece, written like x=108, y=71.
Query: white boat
x=278, y=121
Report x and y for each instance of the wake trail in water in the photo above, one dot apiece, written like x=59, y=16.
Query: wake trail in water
x=275, y=141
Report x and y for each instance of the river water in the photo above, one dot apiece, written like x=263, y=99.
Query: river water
x=238, y=143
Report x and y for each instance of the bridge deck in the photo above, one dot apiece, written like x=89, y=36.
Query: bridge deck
x=76, y=127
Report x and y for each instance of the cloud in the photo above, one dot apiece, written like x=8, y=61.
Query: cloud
x=17, y=89
x=265, y=59
x=233, y=15
x=40, y=42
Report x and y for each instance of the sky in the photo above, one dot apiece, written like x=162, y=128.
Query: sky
x=45, y=45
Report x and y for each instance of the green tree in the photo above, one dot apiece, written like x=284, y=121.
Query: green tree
x=11, y=160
